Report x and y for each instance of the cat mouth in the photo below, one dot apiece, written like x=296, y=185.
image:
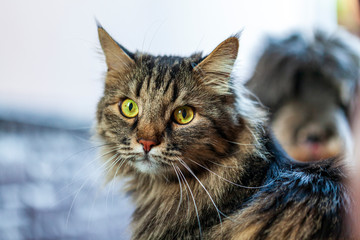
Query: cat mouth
x=152, y=163
x=145, y=159
x=146, y=164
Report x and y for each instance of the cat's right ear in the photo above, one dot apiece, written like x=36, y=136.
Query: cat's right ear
x=214, y=71
x=117, y=57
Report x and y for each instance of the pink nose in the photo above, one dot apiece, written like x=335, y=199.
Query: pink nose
x=147, y=144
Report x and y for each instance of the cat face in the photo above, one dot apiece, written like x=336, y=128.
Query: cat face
x=158, y=112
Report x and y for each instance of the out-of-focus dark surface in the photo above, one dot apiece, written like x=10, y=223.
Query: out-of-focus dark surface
x=51, y=183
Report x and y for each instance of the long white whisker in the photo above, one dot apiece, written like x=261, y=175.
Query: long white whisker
x=74, y=154
x=202, y=185
x=72, y=181
x=81, y=187
x=121, y=162
x=236, y=184
x=180, y=186
x=187, y=192
x=118, y=158
x=196, y=209
x=84, y=167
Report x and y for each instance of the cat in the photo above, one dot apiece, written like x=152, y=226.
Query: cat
x=199, y=161
x=309, y=85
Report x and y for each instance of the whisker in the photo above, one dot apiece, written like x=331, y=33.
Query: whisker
x=81, y=187
x=120, y=162
x=231, y=182
x=180, y=186
x=117, y=160
x=187, y=192
x=72, y=181
x=56, y=168
x=87, y=165
x=157, y=30
x=253, y=134
x=202, y=185
x=196, y=209
x=90, y=216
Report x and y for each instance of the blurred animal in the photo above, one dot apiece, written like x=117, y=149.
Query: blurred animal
x=309, y=85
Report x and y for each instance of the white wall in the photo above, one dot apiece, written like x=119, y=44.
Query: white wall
x=49, y=61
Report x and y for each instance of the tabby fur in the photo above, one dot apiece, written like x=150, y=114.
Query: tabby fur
x=222, y=176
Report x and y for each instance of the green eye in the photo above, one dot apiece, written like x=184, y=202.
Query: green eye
x=183, y=115
x=129, y=108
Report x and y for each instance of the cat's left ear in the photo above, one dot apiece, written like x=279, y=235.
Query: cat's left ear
x=214, y=71
x=117, y=57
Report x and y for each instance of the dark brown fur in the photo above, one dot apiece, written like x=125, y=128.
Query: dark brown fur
x=219, y=177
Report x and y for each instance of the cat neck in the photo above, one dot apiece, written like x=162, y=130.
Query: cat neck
x=188, y=203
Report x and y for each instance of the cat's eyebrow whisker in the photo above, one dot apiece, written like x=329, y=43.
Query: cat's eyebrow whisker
x=155, y=33
x=192, y=195
x=202, y=185
x=180, y=186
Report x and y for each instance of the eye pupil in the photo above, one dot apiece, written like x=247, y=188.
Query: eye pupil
x=184, y=113
x=129, y=108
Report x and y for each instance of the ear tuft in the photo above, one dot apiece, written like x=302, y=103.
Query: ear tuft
x=215, y=69
x=116, y=56
x=98, y=24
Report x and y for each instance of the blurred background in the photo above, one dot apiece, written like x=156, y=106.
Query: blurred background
x=51, y=77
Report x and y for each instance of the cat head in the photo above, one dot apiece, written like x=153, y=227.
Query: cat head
x=158, y=112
